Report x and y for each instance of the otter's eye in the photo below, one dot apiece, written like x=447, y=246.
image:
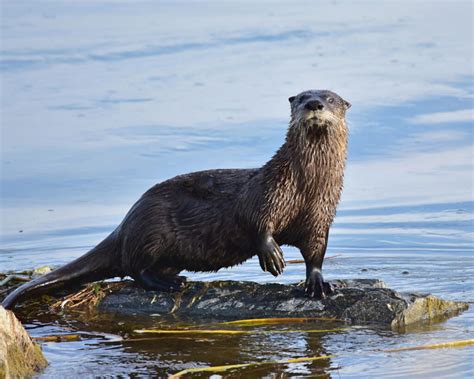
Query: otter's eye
x=330, y=100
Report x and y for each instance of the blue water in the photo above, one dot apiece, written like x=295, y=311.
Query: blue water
x=101, y=100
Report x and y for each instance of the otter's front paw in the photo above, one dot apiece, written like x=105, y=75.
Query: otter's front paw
x=271, y=257
x=315, y=286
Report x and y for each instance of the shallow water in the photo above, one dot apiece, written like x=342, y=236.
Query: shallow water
x=102, y=100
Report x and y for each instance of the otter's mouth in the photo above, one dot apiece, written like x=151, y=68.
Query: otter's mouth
x=319, y=118
x=314, y=120
x=317, y=121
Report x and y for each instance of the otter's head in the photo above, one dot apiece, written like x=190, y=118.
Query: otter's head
x=318, y=108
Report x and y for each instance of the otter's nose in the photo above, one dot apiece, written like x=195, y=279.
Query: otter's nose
x=314, y=105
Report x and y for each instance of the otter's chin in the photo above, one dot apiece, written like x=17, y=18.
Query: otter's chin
x=317, y=122
x=315, y=128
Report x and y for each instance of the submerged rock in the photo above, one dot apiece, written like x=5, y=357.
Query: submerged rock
x=20, y=357
x=363, y=301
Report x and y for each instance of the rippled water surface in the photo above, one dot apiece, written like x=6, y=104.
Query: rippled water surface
x=100, y=100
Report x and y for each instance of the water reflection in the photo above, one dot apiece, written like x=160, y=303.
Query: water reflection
x=350, y=353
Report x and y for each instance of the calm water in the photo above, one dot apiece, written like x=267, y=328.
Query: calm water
x=100, y=100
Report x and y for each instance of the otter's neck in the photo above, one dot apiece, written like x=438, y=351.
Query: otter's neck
x=308, y=154
x=307, y=171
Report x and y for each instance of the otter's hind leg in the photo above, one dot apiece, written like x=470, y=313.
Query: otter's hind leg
x=152, y=280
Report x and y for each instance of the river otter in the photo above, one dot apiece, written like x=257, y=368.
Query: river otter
x=208, y=220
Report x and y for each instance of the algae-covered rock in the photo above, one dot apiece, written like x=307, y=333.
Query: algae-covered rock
x=364, y=301
x=426, y=308
x=42, y=270
x=20, y=357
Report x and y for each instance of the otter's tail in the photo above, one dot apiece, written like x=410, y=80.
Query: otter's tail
x=99, y=263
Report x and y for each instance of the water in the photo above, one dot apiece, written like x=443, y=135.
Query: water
x=100, y=100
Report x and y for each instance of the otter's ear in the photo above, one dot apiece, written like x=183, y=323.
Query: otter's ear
x=291, y=99
x=347, y=104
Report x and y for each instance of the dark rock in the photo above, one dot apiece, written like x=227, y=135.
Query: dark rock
x=362, y=301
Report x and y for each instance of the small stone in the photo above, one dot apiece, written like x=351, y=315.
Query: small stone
x=41, y=270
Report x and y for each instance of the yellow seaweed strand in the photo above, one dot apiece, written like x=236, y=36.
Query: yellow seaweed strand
x=277, y=320
x=213, y=369
x=306, y=359
x=217, y=369
x=226, y=331
x=191, y=331
x=301, y=331
x=59, y=338
x=460, y=343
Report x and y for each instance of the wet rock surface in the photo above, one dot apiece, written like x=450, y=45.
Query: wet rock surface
x=359, y=302
x=20, y=357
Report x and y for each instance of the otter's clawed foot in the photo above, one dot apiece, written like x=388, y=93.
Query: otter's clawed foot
x=151, y=281
x=315, y=286
x=271, y=257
